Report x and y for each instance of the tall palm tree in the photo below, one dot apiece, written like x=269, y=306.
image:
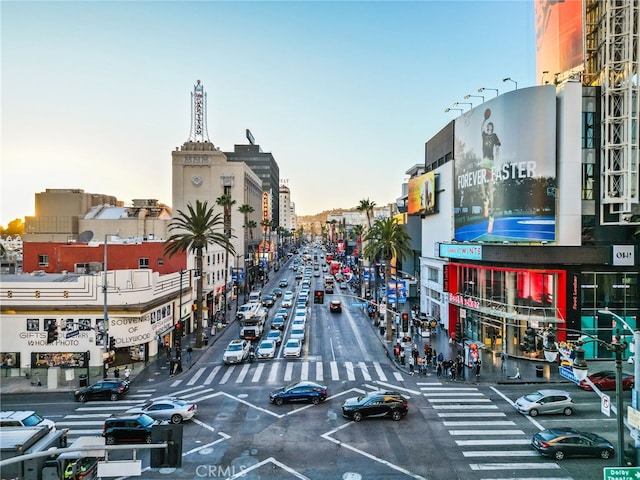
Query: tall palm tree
x=195, y=232
x=226, y=202
x=245, y=209
x=367, y=207
x=387, y=240
x=251, y=225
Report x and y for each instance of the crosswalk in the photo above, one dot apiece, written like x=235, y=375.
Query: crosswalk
x=278, y=372
x=485, y=435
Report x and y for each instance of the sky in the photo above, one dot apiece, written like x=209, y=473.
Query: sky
x=344, y=94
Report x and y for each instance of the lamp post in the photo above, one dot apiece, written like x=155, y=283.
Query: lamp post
x=509, y=79
x=467, y=97
x=464, y=103
x=451, y=109
x=482, y=89
x=580, y=371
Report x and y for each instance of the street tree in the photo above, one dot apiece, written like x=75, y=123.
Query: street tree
x=387, y=240
x=226, y=202
x=195, y=231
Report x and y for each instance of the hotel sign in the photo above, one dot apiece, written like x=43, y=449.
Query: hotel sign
x=464, y=251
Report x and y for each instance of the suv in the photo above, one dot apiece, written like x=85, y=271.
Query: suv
x=106, y=389
x=129, y=427
x=237, y=352
x=545, y=401
x=376, y=404
x=24, y=418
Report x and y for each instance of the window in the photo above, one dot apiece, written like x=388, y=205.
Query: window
x=143, y=263
x=588, y=181
x=161, y=261
x=43, y=260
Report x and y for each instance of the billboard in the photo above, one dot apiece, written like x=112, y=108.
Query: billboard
x=422, y=194
x=505, y=168
x=558, y=37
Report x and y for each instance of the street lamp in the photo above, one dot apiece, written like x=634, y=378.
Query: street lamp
x=467, y=97
x=450, y=109
x=509, y=79
x=580, y=371
x=464, y=103
x=105, y=308
x=482, y=89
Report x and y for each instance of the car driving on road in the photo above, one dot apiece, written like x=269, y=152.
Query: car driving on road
x=175, y=410
x=237, y=352
x=564, y=442
x=104, y=390
x=376, y=404
x=299, y=392
x=545, y=401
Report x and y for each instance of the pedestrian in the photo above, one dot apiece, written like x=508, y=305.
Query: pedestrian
x=189, y=352
x=439, y=370
x=402, y=355
x=454, y=369
x=116, y=372
x=420, y=365
x=503, y=362
x=127, y=373
x=411, y=365
x=477, y=367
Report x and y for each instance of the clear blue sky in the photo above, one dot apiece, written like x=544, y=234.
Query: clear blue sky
x=344, y=94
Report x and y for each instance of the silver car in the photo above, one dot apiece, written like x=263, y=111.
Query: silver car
x=173, y=409
x=545, y=401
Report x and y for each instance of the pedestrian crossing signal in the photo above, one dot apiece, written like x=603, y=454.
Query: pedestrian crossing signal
x=171, y=456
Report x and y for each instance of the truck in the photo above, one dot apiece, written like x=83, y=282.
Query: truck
x=252, y=327
x=18, y=441
x=248, y=310
x=76, y=465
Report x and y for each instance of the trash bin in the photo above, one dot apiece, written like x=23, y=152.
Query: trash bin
x=539, y=371
x=84, y=381
x=205, y=339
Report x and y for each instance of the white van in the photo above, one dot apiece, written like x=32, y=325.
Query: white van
x=255, y=296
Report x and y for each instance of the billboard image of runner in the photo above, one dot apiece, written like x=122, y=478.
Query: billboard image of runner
x=505, y=168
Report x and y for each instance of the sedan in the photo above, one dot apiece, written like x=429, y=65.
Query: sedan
x=282, y=312
x=275, y=336
x=276, y=292
x=545, y=401
x=335, y=306
x=277, y=323
x=297, y=333
x=606, y=380
x=376, y=404
x=266, y=349
x=284, y=283
x=564, y=442
x=107, y=389
x=293, y=348
x=299, y=392
x=174, y=409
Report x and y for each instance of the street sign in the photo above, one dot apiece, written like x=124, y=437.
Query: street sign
x=605, y=405
x=359, y=304
x=567, y=372
x=621, y=473
x=75, y=333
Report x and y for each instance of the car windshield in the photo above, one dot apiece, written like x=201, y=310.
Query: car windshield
x=292, y=344
x=234, y=348
x=533, y=397
x=266, y=345
x=145, y=420
x=32, y=420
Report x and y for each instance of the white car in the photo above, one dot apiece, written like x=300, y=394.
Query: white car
x=297, y=333
x=275, y=336
x=237, y=352
x=282, y=312
x=299, y=315
x=287, y=300
x=293, y=348
x=266, y=349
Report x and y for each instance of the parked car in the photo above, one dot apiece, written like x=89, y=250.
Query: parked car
x=266, y=349
x=129, y=427
x=376, y=404
x=24, y=418
x=293, y=348
x=104, y=390
x=606, y=380
x=237, y=352
x=545, y=401
x=175, y=410
x=335, y=306
x=564, y=442
x=299, y=392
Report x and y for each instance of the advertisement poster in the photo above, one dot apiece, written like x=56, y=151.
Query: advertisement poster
x=422, y=194
x=505, y=168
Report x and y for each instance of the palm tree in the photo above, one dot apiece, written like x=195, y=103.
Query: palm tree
x=367, y=207
x=245, y=209
x=387, y=240
x=226, y=202
x=251, y=225
x=195, y=232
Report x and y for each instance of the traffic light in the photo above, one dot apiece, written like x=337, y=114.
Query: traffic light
x=319, y=296
x=112, y=343
x=170, y=457
x=52, y=333
x=405, y=322
x=179, y=330
x=459, y=330
x=530, y=339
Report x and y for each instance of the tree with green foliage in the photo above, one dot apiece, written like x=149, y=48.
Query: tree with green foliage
x=195, y=231
x=226, y=202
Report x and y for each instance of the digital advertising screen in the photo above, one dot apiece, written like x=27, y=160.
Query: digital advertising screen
x=422, y=194
x=505, y=168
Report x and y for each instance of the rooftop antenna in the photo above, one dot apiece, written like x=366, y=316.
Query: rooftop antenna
x=198, y=132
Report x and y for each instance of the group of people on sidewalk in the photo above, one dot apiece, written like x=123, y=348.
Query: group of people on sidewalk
x=433, y=361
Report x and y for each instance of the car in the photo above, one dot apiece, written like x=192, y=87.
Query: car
x=343, y=285
x=276, y=292
x=606, y=380
x=545, y=401
x=24, y=418
x=293, y=348
x=376, y=404
x=297, y=333
x=275, y=336
x=335, y=306
x=236, y=352
x=268, y=300
x=316, y=273
x=283, y=283
x=104, y=390
x=282, y=312
x=328, y=289
x=299, y=392
x=129, y=427
x=266, y=349
x=287, y=301
x=564, y=442
x=176, y=410
x=277, y=323
x=298, y=275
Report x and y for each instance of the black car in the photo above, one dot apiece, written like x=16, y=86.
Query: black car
x=104, y=390
x=299, y=392
x=283, y=283
x=335, y=306
x=129, y=428
x=376, y=404
x=564, y=442
x=268, y=300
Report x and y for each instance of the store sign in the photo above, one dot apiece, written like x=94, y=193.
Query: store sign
x=623, y=255
x=463, y=251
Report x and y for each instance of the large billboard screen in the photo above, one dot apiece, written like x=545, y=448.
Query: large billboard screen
x=422, y=194
x=505, y=168
x=558, y=37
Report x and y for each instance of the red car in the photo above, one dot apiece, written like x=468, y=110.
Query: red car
x=606, y=380
x=335, y=306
